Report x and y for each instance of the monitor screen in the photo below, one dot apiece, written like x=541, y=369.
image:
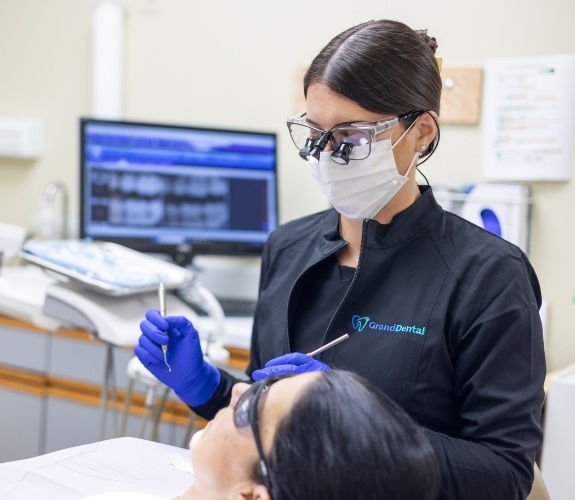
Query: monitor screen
x=177, y=190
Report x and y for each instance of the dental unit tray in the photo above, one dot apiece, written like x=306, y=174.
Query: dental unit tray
x=108, y=268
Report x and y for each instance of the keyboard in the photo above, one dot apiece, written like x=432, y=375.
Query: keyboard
x=238, y=307
x=233, y=308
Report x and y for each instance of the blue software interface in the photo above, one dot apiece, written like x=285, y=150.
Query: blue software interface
x=161, y=188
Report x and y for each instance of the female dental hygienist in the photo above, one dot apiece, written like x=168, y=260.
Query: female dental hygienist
x=441, y=315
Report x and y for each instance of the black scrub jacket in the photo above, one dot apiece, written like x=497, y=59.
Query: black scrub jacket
x=442, y=316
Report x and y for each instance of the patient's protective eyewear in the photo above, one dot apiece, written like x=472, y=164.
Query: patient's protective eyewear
x=343, y=137
x=246, y=413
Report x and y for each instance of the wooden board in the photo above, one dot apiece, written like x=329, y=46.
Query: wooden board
x=461, y=95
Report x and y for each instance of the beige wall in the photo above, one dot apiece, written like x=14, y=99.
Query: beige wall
x=232, y=63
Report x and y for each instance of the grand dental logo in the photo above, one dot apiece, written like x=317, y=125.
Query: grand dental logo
x=361, y=322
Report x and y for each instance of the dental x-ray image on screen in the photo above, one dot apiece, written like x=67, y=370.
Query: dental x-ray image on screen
x=177, y=190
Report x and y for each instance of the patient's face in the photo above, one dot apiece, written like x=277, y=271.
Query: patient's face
x=223, y=455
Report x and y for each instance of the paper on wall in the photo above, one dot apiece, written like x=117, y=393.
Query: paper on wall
x=529, y=118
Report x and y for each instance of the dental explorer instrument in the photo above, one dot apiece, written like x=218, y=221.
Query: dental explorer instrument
x=328, y=345
x=162, y=297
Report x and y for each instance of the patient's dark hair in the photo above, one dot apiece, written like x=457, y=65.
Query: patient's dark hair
x=384, y=66
x=345, y=439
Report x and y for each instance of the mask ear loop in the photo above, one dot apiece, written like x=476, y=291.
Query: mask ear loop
x=413, y=162
x=404, y=133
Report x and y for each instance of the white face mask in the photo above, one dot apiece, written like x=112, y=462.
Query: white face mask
x=362, y=188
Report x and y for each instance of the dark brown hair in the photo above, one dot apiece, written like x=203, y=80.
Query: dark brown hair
x=344, y=438
x=384, y=66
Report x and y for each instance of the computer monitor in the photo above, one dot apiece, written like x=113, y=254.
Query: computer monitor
x=177, y=190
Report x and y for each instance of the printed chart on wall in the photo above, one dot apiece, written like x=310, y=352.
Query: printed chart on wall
x=529, y=118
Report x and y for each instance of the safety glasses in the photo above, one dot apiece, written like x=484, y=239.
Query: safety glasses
x=246, y=413
x=343, y=137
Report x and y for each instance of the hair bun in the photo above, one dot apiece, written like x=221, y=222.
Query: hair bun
x=429, y=40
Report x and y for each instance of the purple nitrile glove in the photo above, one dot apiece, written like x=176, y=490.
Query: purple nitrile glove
x=192, y=378
x=295, y=362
